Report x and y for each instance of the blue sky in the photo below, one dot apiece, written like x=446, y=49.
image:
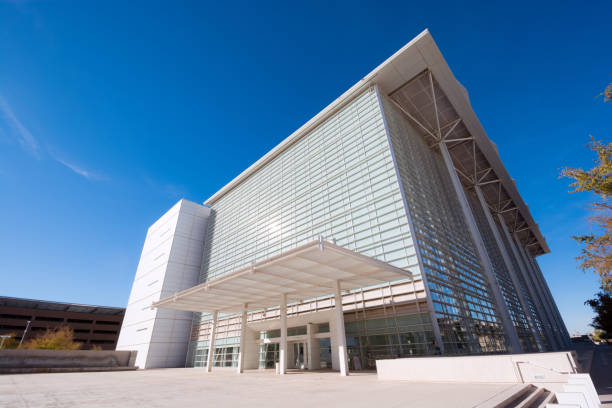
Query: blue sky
x=110, y=112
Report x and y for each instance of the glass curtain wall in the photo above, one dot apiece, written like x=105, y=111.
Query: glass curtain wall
x=380, y=334
x=464, y=306
x=536, y=318
x=226, y=353
x=338, y=181
x=509, y=292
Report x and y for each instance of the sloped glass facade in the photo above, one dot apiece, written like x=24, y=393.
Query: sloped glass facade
x=464, y=306
x=508, y=291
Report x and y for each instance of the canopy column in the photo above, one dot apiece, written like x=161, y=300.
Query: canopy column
x=243, y=326
x=309, y=348
x=282, y=354
x=340, y=332
x=211, y=341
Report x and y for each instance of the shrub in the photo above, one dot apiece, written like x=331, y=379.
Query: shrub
x=60, y=338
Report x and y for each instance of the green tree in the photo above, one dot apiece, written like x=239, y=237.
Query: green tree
x=60, y=338
x=596, y=252
x=602, y=306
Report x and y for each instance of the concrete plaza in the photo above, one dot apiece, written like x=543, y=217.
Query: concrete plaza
x=189, y=387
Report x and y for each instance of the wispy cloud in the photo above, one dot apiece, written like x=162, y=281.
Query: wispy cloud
x=24, y=137
x=27, y=141
x=80, y=171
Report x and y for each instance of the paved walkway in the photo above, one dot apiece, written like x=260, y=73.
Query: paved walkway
x=601, y=373
x=189, y=387
x=599, y=361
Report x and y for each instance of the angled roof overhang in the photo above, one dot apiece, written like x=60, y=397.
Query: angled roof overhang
x=405, y=78
x=306, y=272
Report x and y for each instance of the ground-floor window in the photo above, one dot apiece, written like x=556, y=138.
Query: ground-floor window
x=391, y=336
x=225, y=355
x=370, y=335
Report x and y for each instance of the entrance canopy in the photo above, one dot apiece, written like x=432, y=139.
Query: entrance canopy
x=305, y=272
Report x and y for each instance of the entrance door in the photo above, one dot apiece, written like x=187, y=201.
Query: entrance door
x=300, y=357
x=268, y=355
x=325, y=350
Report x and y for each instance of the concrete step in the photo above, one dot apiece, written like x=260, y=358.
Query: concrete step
x=521, y=396
x=510, y=396
x=548, y=399
x=517, y=399
x=530, y=400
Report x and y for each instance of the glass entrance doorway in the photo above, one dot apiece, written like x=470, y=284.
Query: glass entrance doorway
x=297, y=355
x=268, y=355
x=299, y=358
x=325, y=353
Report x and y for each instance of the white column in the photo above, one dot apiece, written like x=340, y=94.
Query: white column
x=282, y=354
x=565, y=337
x=314, y=358
x=536, y=303
x=549, y=300
x=211, y=341
x=341, y=334
x=509, y=329
x=509, y=268
x=564, y=333
x=540, y=296
x=309, y=341
x=243, y=327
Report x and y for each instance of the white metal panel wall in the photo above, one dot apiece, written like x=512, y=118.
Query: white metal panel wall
x=170, y=262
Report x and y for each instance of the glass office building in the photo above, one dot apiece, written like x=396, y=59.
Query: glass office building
x=397, y=173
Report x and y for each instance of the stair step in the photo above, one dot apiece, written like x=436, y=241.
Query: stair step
x=550, y=399
x=506, y=398
x=516, y=399
x=529, y=401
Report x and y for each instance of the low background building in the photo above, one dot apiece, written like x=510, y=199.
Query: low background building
x=92, y=325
